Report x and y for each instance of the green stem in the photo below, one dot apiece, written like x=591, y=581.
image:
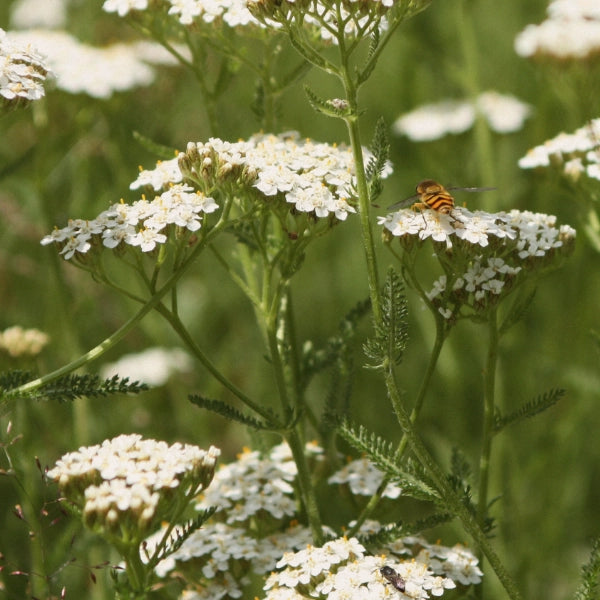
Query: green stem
x=440, y=337
x=472, y=85
x=187, y=339
x=447, y=494
x=364, y=205
x=118, y=335
x=488, y=417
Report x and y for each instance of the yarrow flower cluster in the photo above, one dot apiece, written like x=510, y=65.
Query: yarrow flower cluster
x=488, y=253
x=143, y=224
x=255, y=485
x=572, y=32
x=575, y=154
x=253, y=526
x=17, y=341
x=314, y=177
x=363, y=479
x=342, y=569
x=126, y=486
x=357, y=19
x=23, y=71
x=98, y=72
x=505, y=114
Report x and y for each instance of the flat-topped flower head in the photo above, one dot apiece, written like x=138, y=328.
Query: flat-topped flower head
x=334, y=21
x=574, y=154
x=484, y=256
x=309, y=176
x=255, y=485
x=145, y=224
x=23, y=72
x=342, y=568
x=233, y=13
x=572, y=32
x=126, y=486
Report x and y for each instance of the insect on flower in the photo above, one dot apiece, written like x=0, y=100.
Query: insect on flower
x=434, y=195
x=393, y=577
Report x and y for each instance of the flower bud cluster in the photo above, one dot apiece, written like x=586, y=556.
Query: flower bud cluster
x=143, y=224
x=18, y=341
x=126, y=486
x=22, y=72
x=574, y=154
x=483, y=255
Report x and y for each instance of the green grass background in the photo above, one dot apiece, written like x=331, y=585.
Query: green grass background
x=71, y=156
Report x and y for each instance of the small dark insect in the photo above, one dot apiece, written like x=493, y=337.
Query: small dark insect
x=392, y=576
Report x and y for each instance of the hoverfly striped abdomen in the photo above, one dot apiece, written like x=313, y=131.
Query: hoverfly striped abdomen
x=435, y=196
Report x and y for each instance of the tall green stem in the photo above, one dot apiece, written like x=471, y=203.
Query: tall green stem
x=448, y=496
x=363, y=203
x=403, y=443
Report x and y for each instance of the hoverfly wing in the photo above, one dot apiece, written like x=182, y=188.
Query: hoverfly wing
x=403, y=203
x=472, y=189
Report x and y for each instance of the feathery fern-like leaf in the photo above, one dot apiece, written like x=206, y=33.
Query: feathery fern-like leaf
x=70, y=387
x=393, y=531
x=391, y=336
x=590, y=572
x=225, y=410
x=382, y=454
x=528, y=410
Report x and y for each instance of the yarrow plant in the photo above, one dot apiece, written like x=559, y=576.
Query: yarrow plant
x=124, y=487
x=264, y=525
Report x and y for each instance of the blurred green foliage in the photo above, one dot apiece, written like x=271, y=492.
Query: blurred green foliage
x=70, y=156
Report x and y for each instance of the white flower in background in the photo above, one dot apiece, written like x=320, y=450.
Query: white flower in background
x=574, y=9
x=363, y=478
x=572, y=32
x=18, y=341
x=253, y=485
x=574, y=154
x=433, y=121
x=152, y=367
x=98, y=72
x=505, y=114
x=46, y=14
x=23, y=71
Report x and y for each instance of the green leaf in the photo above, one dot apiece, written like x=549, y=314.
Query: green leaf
x=528, y=410
x=590, y=572
x=391, y=336
x=225, y=410
x=161, y=151
x=383, y=455
x=69, y=387
x=392, y=532
x=380, y=148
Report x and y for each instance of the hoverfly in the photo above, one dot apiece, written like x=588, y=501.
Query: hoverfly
x=393, y=577
x=433, y=195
